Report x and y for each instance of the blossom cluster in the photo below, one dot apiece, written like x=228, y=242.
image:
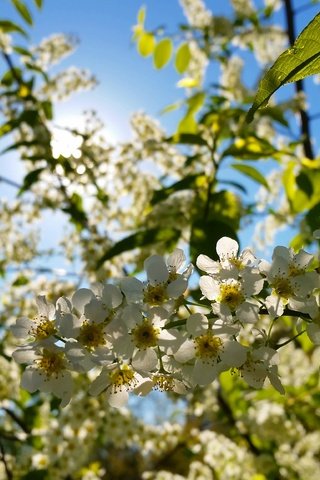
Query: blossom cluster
x=136, y=336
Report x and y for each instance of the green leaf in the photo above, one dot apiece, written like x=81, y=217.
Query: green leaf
x=76, y=211
x=253, y=173
x=250, y=148
x=141, y=239
x=21, y=280
x=296, y=63
x=23, y=11
x=31, y=178
x=47, y=109
x=187, y=139
x=146, y=44
x=187, y=183
x=304, y=183
x=38, y=3
x=141, y=15
x=204, y=236
x=183, y=57
x=162, y=53
x=187, y=125
x=8, y=26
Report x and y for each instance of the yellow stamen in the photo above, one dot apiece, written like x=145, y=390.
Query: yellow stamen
x=45, y=328
x=208, y=346
x=145, y=335
x=91, y=334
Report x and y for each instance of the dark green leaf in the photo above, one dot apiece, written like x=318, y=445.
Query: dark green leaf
x=140, y=239
x=187, y=183
x=187, y=139
x=31, y=178
x=251, y=172
x=35, y=475
x=305, y=184
x=21, y=280
x=204, y=236
x=162, y=53
x=296, y=63
x=76, y=211
x=23, y=11
x=47, y=109
x=313, y=217
x=38, y=3
x=8, y=26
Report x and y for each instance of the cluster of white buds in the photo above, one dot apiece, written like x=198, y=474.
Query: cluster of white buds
x=135, y=336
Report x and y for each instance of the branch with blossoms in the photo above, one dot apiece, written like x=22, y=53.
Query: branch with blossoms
x=134, y=336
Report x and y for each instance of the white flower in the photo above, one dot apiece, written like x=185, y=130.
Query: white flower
x=260, y=364
x=211, y=351
x=233, y=296
x=164, y=284
x=116, y=381
x=48, y=371
x=289, y=279
x=230, y=264
x=41, y=328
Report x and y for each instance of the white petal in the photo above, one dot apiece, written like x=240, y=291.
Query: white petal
x=275, y=380
x=119, y=399
x=81, y=298
x=22, y=327
x=196, y=324
x=177, y=287
x=131, y=315
x=204, y=373
x=24, y=355
x=313, y=331
x=111, y=296
x=145, y=386
x=42, y=305
x=208, y=265
x=31, y=380
x=248, y=312
x=234, y=354
x=209, y=287
x=156, y=268
x=132, y=289
x=186, y=352
x=145, y=360
x=99, y=384
x=176, y=259
x=227, y=247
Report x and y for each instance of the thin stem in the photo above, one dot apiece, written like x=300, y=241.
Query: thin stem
x=4, y=461
x=290, y=340
x=299, y=86
x=16, y=419
x=12, y=183
x=175, y=323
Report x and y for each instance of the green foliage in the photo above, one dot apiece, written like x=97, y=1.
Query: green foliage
x=146, y=44
x=23, y=10
x=162, y=53
x=252, y=173
x=142, y=238
x=8, y=26
x=296, y=63
x=183, y=57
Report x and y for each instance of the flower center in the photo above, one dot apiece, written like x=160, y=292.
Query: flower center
x=51, y=363
x=155, y=294
x=208, y=346
x=45, y=328
x=231, y=295
x=122, y=377
x=145, y=335
x=294, y=270
x=283, y=287
x=91, y=334
x=162, y=382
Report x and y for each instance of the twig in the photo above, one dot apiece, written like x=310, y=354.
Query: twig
x=4, y=461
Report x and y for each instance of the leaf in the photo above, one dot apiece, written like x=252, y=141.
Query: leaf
x=187, y=139
x=183, y=57
x=162, y=53
x=31, y=178
x=250, y=148
x=187, y=125
x=304, y=183
x=141, y=15
x=204, y=236
x=8, y=26
x=23, y=11
x=21, y=280
x=38, y=3
x=253, y=173
x=187, y=183
x=76, y=211
x=296, y=63
x=47, y=109
x=188, y=82
x=141, y=239
x=146, y=44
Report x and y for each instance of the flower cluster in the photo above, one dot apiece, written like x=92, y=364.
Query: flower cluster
x=135, y=336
